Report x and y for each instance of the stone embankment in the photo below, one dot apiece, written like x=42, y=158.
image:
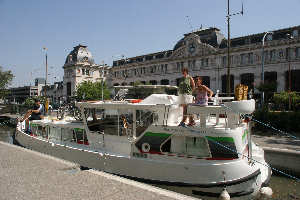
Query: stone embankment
x=25, y=174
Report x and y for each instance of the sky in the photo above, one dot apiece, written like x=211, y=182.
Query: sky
x=111, y=28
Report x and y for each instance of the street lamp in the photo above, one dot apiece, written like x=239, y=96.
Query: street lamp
x=262, y=66
x=45, y=91
x=102, y=77
x=289, y=36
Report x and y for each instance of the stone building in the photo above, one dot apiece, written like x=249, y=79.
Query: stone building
x=204, y=53
x=54, y=93
x=20, y=94
x=79, y=67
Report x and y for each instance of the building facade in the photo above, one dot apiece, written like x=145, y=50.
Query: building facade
x=79, y=67
x=204, y=53
x=20, y=94
x=54, y=93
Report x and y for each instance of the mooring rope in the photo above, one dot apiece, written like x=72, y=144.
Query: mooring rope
x=265, y=124
x=234, y=151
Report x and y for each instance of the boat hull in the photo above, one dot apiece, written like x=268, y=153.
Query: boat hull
x=197, y=177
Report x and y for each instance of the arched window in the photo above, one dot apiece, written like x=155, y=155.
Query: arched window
x=153, y=82
x=248, y=79
x=224, y=83
x=295, y=81
x=177, y=81
x=164, y=82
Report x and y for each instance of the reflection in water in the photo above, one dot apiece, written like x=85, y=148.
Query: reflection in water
x=283, y=188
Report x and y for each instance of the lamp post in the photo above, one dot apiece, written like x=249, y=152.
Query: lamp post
x=262, y=65
x=289, y=61
x=102, y=78
x=46, y=77
x=229, y=44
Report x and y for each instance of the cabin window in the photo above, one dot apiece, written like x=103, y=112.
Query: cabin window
x=55, y=134
x=93, y=119
x=44, y=132
x=34, y=129
x=197, y=146
x=77, y=135
x=80, y=135
x=143, y=120
x=40, y=131
x=217, y=147
x=109, y=121
x=68, y=135
x=118, y=122
x=190, y=146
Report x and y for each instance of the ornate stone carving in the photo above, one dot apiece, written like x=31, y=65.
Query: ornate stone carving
x=193, y=47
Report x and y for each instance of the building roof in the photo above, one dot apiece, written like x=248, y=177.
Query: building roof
x=211, y=36
x=80, y=54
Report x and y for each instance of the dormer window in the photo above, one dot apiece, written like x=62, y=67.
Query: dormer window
x=295, y=33
x=269, y=37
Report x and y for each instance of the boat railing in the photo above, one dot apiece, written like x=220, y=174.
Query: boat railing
x=231, y=111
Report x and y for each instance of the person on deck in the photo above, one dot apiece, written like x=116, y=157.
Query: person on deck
x=186, y=87
x=35, y=114
x=202, y=92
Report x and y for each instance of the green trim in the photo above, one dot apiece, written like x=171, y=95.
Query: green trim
x=220, y=139
x=34, y=125
x=245, y=134
x=78, y=129
x=164, y=135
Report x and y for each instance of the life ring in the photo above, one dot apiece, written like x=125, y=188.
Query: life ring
x=146, y=147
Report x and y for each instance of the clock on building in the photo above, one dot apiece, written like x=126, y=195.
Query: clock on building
x=85, y=59
x=191, y=47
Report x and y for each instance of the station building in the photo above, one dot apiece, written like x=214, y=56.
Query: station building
x=79, y=67
x=204, y=53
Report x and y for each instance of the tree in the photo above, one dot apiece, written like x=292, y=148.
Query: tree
x=91, y=91
x=29, y=102
x=268, y=88
x=5, y=79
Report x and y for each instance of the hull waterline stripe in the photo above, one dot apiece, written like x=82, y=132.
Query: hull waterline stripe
x=209, y=185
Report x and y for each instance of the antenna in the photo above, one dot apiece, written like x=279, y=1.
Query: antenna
x=189, y=21
x=242, y=12
x=237, y=13
x=229, y=15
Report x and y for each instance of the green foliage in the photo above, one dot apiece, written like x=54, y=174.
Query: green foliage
x=5, y=79
x=281, y=101
x=137, y=83
x=284, y=121
x=268, y=88
x=92, y=91
x=29, y=102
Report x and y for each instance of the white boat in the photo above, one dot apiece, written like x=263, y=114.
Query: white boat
x=141, y=139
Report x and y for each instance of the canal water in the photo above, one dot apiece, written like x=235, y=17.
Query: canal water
x=283, y=188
